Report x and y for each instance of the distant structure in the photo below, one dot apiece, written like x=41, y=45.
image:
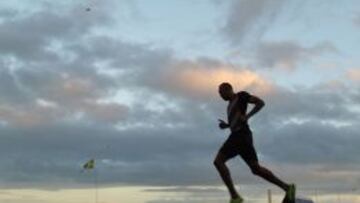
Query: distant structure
x=303, y=201
x=297, y=200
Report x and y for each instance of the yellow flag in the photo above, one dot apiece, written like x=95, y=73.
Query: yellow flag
x=90, y=164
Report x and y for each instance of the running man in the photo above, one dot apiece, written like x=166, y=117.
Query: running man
x=240, y=142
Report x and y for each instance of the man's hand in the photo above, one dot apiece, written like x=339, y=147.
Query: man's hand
x=223, y=124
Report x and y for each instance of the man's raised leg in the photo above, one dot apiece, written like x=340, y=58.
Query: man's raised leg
x=265, y=173
x=269, y=176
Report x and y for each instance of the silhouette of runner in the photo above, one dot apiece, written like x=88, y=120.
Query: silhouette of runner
x=240, y=142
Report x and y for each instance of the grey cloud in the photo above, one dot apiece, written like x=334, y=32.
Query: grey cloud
x=311, y=103
x=153, y=162
x=44, y=74
x=314, y=118
x=29, y=37
x=167, y=156
x=73, y=84
x=250, y=18
x=356, y=20
x=57, y=152
x=7, y=13
x=9, y=89
x=122, y=55
x=288, y=54
x=149, y=156
x=313, y=143
x=70, y=95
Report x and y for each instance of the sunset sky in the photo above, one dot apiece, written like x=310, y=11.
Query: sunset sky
x=133, y=84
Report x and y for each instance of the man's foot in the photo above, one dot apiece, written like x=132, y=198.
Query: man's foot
x=237, y=200
x=290, y=194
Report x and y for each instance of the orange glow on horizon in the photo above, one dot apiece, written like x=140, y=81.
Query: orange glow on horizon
x=204, y=81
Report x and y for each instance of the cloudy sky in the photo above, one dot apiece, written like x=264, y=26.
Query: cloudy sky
x=133, y=84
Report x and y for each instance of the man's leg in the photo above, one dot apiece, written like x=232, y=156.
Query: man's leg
x=224, y=172
x=248, y=153
x=265, y=173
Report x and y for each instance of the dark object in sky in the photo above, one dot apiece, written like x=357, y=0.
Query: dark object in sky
x=88, y=9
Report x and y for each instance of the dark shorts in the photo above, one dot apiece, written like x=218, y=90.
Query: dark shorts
x=240, y=143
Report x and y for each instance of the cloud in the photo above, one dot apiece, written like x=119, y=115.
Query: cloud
x=288, y=54
x=9, y=87
x=356, y=20
x=313, y=142
x=201, y=80
x=56, y=98
x=61, y=149
x=7, y=13
x=315, y=102
x=152, y=155
x=248, y=22
x=28, y=116
x=250, y=18
x=30, y=37
x=353, y=74
x=45, y=65
x=68, y=67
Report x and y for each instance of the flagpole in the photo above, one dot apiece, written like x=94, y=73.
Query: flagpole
x=96, y=185
x=269, y=196
x=91, y=165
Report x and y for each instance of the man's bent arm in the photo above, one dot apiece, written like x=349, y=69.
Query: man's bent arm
x=259, y=104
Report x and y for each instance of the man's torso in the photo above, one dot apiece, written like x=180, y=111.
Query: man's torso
x=237, y=107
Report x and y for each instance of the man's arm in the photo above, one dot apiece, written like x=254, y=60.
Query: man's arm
x=259, y=104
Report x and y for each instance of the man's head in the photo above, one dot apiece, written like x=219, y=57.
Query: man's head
x=226, y=91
